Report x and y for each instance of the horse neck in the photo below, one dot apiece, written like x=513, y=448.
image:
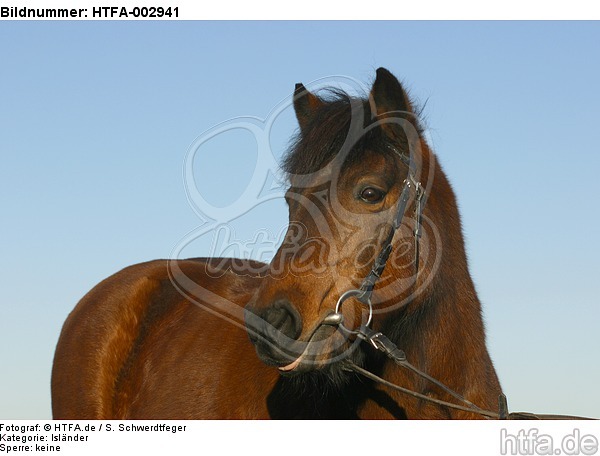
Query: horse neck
x=441, y=330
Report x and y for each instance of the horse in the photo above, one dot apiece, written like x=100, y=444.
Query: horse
x=374, y=247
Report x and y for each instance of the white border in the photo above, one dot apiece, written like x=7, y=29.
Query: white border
x=346, y=10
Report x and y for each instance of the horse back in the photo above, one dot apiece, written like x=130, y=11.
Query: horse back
x=148, y=343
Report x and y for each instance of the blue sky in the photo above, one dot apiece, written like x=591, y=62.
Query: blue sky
x=96, y=119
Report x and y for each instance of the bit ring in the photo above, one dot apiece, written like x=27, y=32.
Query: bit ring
x=349, y=294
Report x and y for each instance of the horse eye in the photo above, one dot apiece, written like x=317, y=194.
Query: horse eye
x=371, y=195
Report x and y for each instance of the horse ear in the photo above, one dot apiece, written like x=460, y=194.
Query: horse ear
x=305, y=105
x=387, y=94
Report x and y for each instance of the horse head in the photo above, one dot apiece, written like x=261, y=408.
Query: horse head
x=347, y=171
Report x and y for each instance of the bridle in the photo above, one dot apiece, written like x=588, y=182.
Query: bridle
x=365, y=291
x=382, y=343
x=364, y=294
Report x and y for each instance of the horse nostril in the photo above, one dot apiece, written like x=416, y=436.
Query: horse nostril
x=284, y=317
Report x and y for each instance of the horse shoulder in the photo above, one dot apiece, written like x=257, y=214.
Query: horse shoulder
x=119, y=332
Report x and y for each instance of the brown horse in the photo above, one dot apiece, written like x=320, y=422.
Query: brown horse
x=170, y=339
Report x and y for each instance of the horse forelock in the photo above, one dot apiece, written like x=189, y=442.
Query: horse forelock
x=342, y=125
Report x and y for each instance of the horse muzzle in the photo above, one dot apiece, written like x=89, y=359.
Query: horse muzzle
x=274, y=331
